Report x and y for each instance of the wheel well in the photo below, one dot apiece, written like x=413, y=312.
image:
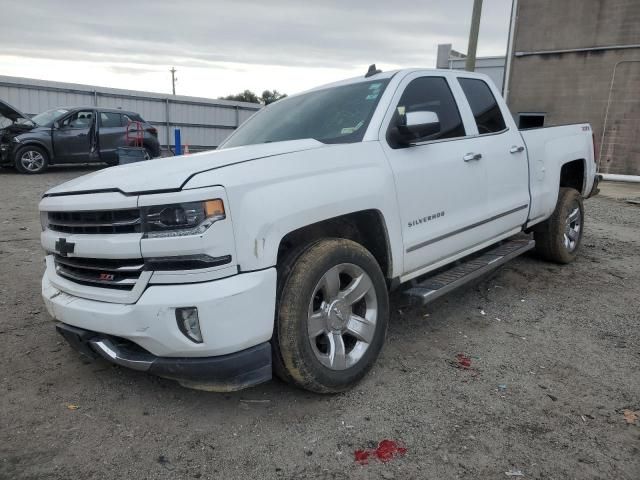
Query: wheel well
x=365, y=227
x=32, y=144
x=572, y=175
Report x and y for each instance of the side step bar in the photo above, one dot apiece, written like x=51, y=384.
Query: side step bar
x=437, y=285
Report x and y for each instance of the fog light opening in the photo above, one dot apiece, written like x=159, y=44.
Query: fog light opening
x=188, y=323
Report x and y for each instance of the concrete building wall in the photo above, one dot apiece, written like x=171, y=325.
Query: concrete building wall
x=565, y=56
x=203, y=122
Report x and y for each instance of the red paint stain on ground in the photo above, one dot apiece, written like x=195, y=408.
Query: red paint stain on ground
x=385, y=452
x=464, y=362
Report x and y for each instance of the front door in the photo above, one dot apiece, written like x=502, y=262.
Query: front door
x=441, y=183
x=74, y=139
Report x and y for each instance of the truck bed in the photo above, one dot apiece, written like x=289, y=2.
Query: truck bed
x=548, y=148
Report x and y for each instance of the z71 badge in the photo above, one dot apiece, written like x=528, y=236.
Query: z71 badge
x=426, y=219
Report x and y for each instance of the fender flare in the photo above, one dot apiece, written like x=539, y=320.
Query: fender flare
x=35, y=143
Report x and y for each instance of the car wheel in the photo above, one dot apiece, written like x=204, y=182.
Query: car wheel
x=148, y=155
x=332, y=317
x=31, y=159
x=558, y=238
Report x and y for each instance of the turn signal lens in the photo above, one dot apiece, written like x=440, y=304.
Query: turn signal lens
x=214, y=208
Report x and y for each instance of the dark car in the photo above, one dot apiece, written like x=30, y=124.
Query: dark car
x=70, y=135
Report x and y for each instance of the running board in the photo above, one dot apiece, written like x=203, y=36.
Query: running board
x=437, y=285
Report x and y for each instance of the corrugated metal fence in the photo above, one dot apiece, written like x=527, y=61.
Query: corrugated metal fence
x=204, y=123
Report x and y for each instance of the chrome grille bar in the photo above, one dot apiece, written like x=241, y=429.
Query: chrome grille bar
x=104, y=273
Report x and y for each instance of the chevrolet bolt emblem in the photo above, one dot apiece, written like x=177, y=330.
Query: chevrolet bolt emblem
x=63, y=247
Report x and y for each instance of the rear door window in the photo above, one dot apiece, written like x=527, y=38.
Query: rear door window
x=132, y=117
x=484, y=106
x=110, y=119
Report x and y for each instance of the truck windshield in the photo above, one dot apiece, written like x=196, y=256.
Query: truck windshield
x=332, y=115
x=46, y=119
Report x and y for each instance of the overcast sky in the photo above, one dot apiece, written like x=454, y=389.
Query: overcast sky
x=225, y=46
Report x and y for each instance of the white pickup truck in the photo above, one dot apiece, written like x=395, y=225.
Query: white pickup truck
x=277, y=251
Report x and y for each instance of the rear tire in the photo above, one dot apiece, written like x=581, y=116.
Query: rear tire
x=31, y=160
x=332, y=317
x=558, y=238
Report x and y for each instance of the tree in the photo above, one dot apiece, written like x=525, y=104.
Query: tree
x=267, y=97
x=271, y=96
x=246, y=96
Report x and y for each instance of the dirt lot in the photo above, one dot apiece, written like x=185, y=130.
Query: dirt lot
x=563, y=344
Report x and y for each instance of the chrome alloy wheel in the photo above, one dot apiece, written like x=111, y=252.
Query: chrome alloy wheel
x=342, y=316
x=32, y=160
x=573, y=225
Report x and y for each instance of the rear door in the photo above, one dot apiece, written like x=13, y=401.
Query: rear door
x=503, y=155
x=441, y=187
x=111, y=135
x=74, y=139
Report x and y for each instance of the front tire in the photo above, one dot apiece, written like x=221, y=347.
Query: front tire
x=558, y=238
x=332, y=317
x=31, y=160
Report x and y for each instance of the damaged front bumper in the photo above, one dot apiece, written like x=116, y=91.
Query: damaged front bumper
x=231, y=372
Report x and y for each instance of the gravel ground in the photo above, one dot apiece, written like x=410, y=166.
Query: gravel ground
x=554, y=354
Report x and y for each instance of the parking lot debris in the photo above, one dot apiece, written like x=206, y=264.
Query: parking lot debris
x=502, y=387
x=386, y=451
x=630, y=416
x=514, y=473
x=464, y=362
x=552, y=397
x=71, y=406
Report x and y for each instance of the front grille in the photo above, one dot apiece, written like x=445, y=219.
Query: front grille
x=95, y=222
x=99, y=272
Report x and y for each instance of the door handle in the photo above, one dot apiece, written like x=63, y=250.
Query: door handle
x=516, y=149
x=472, y=156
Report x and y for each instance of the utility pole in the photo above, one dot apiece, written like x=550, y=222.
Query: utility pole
x=173, y=79
x=473, y=36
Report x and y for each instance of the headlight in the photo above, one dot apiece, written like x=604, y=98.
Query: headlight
x=16, y=139
x=180, y=219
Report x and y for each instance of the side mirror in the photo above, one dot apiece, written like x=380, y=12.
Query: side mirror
x=415, y=125
x=56, y=125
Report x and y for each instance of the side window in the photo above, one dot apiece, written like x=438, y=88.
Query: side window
x=483, y=105
x=431, y=94
x=131, y=117
x=81, y=119
x=110, y=119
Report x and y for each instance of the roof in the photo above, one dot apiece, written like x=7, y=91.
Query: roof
x=392, y=73
x=118, y=92
x=101, y=109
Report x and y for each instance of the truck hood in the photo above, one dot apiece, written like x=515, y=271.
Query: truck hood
x=171, y=173
x=11, y=113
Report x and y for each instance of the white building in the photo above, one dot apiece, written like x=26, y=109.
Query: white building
x=204, y=122
x=453, y=60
